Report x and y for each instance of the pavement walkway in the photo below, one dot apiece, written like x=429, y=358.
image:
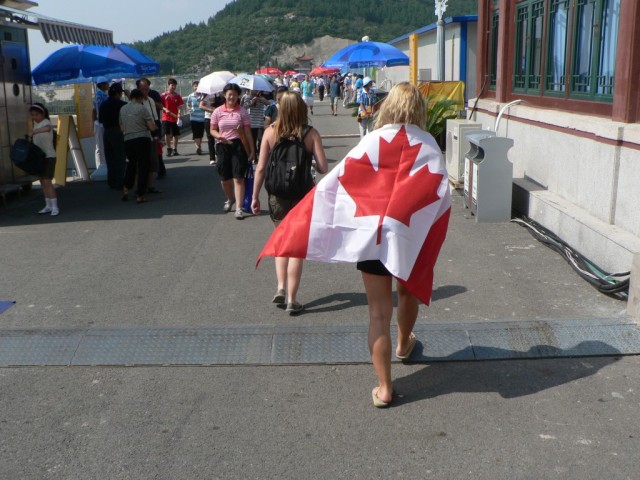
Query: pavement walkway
x=179, y=262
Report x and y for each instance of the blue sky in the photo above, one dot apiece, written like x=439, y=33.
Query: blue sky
x=124, y=17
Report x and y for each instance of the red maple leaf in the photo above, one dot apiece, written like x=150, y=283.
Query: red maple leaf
x=390, y=191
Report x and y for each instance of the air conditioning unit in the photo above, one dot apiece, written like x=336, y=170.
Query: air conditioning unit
x=457, y=147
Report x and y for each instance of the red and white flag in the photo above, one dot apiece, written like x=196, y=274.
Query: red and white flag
x=373, y=207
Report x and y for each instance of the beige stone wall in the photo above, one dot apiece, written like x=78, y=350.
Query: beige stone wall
x=592, y=183
x=633, y=307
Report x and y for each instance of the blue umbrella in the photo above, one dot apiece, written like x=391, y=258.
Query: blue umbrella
x=86, y=61
x=367, y=54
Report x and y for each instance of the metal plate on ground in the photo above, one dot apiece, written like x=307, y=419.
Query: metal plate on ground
x=542, y=339
x=39, y=348
x=441, y=345
x=182, y=331
x=311, y=344
x=598, y=340
x=302, y=348
x=168, y=349
x=511, y=342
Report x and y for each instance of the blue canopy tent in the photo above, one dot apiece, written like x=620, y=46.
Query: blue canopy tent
x=82, y=62
x=367, y=55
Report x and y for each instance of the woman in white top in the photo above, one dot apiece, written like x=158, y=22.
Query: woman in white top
x=42, y=137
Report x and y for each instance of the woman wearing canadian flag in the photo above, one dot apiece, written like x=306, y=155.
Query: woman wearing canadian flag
x=385, y=207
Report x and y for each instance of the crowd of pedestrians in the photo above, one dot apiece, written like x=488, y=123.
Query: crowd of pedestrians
x=244, y=128
x=119, y=146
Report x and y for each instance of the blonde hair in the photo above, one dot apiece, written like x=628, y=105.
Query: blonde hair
x=292, y=116
x=404, y=104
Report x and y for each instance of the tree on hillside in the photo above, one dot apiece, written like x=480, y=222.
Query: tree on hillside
x=231, y=36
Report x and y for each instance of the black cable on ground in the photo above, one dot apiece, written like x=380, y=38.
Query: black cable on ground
x=615, y=285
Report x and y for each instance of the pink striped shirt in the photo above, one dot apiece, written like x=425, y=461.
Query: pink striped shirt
x=227, y=121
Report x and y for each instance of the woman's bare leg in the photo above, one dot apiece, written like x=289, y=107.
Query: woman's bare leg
x=238, y=187
x=294, y=274
x=408, y=307
x=281, y=272
x=380, y=299
x=227, y=187
x=47, y=188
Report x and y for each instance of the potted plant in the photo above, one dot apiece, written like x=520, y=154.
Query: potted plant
x=439, y=110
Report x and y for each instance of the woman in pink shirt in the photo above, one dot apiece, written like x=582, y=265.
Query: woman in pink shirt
x=229, y=124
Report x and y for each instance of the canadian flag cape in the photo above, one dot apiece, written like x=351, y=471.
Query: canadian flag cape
x=388, y=200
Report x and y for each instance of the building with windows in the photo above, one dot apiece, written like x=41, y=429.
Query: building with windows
x=574, y=67
x=460, y=54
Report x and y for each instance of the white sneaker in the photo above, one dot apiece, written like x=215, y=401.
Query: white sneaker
x=55, y=212
x=239, y=214
x=45, y=210
x=228, y=205
x=212, y=162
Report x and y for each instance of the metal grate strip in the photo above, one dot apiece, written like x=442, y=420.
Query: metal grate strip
x=312, y=344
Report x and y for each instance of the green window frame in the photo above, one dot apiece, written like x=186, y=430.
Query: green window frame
x=557, y=47
x=563, y=48
x=529, y=46
x=594, y=49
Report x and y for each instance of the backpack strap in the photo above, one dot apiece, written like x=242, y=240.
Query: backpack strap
x=306, y=129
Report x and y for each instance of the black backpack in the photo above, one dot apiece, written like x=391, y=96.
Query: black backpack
x=27, y=156
x=288, y=173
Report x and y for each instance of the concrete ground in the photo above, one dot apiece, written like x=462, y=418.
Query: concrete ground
x=179, y=261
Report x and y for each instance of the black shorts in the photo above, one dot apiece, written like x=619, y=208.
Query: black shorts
x=374, y=267
x=197, y=129
x=232, y=160
x=49, y=168
x=171, y=128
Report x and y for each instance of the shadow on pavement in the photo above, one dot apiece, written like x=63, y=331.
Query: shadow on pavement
x=336, y=302
x=509, y=379
x=187, y=190
x=447, y=291
x=341, y=301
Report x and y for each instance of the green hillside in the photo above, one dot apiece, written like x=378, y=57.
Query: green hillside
x=235, y=37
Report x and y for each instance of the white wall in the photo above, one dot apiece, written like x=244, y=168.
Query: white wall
x=472, y=44
x=427, y=57
x=627, y=200
x=592, y=182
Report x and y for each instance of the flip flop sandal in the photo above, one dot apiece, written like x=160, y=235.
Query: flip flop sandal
x=412, y=344
x=376, y=400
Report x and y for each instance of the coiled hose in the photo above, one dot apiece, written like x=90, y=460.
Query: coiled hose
x=615, y=285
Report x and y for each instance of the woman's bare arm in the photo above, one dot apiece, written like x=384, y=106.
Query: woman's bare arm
x=322, y=166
